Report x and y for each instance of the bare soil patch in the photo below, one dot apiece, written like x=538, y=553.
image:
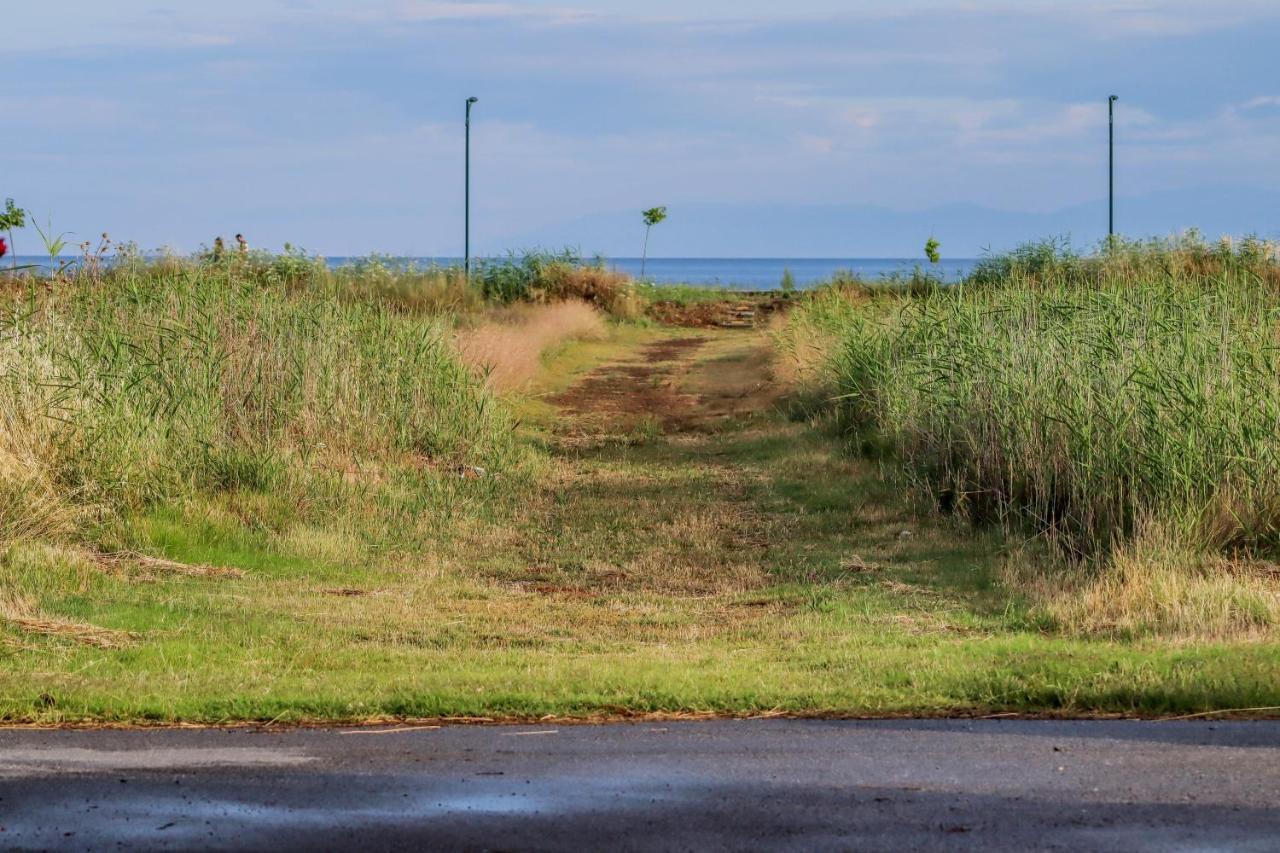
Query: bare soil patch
x=745, y=311
x=750, y=311
x=677, y=385
x=620, y=396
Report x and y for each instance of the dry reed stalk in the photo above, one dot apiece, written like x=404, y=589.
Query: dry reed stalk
x=160, y=566
x=20, y=612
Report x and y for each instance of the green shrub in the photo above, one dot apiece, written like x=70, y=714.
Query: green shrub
x=788, y=285
x=518, y=278
x=545, y=277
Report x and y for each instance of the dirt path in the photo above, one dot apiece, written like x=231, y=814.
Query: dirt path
x=687, y=383
x=650, y=495
x=679, y=476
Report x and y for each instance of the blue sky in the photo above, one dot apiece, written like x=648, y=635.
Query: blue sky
x=337, y=126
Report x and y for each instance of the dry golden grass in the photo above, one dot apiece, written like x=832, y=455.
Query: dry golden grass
x=30, y=506
x=21, y=612
x=509, y=347
x=612, y=292
x=1152, y=586
x=141, y=566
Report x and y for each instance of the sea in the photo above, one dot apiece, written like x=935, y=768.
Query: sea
x=767, y=273
x=732, y=273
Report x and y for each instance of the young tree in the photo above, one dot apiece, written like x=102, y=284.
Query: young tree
x=652, y=217
x=931, y=250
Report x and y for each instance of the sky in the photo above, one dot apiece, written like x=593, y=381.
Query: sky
x=806, y=128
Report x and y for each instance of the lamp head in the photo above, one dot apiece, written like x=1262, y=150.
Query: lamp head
x=472, y=100
x=1114, y=98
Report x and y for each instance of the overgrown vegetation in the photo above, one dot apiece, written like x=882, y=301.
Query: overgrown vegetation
x=684, y=551
x=550, y=277
x=248, y=487
x=153, y=383
x=1104, y=403
x=1123, y=261
x=685, y=294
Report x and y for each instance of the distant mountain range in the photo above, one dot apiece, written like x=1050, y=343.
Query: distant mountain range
x=964, y=230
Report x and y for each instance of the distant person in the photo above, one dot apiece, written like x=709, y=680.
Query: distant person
x=242, y=244
x=218, y=249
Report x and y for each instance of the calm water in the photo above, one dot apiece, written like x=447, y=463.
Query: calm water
x=739, y=273
x=752, y=273
x=766, y=273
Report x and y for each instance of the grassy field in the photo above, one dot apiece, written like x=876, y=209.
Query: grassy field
x=1122, y=411
x=630, y=520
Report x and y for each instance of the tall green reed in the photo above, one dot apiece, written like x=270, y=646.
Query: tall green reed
x=1084, y=407
x=155, y=380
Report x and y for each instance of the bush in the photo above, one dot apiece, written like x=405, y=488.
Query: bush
x=612, y=292
x=434, y=291
x=788, y=284
x=548, y=277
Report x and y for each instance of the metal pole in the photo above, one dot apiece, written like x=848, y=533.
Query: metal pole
x=466, y=245
x=1111, y=167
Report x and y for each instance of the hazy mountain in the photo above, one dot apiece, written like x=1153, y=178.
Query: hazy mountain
x=965, y=230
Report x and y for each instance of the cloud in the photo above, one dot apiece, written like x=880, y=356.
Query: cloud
x=309, y=114
x=1262, y=103
x=418, y=11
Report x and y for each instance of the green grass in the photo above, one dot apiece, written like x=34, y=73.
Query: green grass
x=686, y=294
x=796, y=633
x=741, y=564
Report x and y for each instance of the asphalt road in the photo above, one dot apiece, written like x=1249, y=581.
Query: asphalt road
x=745, y=785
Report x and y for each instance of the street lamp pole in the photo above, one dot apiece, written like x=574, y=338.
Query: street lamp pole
x=466, y=246
x=1111, y=167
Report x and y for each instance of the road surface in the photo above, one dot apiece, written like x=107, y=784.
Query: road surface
x=724, y=785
